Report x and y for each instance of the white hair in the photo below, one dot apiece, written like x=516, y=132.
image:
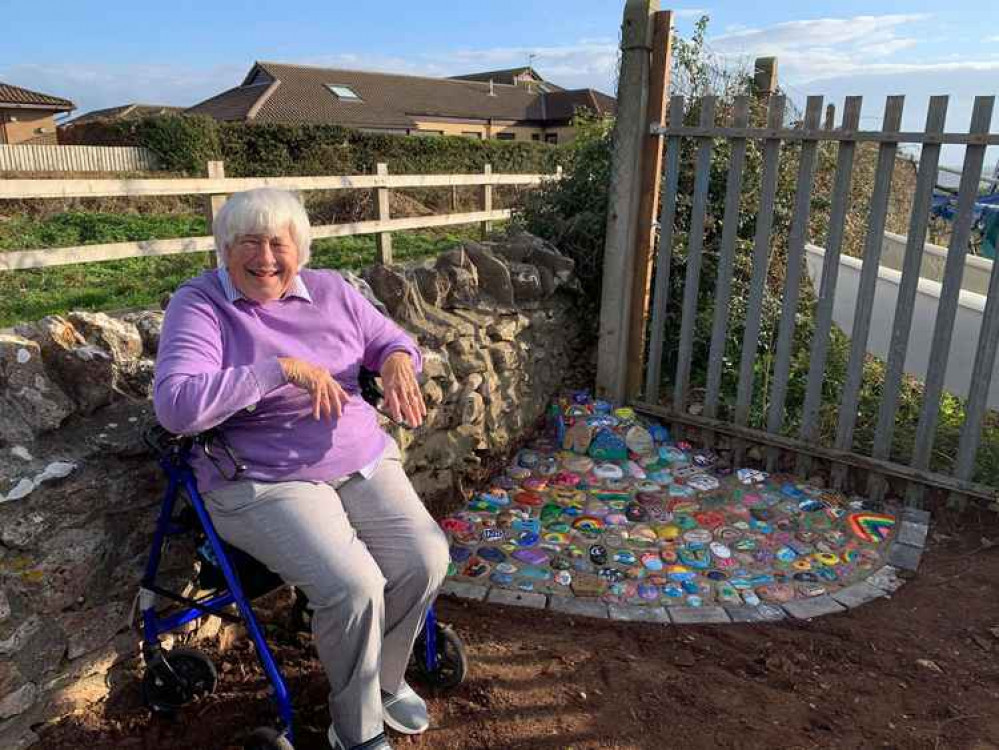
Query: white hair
x=261, y=211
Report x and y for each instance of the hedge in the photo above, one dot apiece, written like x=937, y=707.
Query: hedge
x=185, y=143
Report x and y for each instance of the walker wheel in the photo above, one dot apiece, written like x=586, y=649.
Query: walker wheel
x=452, y=662
x=267, y=738
x=186, y=676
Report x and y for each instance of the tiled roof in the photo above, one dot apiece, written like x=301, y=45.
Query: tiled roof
x=508, y=75
x=297, y=93
x=15, y=96
x=125, y=112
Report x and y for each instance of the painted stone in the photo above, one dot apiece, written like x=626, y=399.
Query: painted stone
x=577, y=438
x=871, y=527
x=639, y=441
x=491, y=554
x=607, y=446
x=608, y=471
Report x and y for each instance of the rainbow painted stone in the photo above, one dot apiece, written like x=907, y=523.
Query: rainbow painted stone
x=605, y=505
x=871, y=527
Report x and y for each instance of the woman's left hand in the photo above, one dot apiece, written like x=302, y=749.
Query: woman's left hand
x=403, y=397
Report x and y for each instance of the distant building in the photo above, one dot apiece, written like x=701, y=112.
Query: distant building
x=515, y=104
x=124, y=112
x=29, y=116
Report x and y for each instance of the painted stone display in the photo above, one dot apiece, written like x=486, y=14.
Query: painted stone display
x=605, y=506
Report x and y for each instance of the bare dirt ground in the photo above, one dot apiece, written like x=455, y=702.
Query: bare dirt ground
x=917, y=671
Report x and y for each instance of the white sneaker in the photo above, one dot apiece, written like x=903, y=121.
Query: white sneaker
x=405, y=712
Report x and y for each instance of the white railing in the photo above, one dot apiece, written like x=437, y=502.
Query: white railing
x=216, y=187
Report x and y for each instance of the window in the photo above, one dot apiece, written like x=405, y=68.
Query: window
x=551, y=138
x=506, y=136
x=472, y=134
x=427, y=132
x=341, y=91
x=535, y=136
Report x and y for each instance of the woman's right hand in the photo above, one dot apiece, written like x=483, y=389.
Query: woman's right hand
x=328, y=398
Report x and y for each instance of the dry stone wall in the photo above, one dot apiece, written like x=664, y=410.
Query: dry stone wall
x=500, y=328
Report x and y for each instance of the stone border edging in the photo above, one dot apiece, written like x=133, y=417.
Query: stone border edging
x=904, y=554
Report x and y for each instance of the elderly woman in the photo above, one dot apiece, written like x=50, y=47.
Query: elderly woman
x=269, y=352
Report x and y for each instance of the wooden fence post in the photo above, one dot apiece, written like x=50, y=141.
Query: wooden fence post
x=630, y=133
x=383, y=240
x=648, y=190
x=214, y=202
x=487, y=200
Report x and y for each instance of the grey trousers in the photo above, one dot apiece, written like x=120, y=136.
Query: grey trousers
x=369, y=557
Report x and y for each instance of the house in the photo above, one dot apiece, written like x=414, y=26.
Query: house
x=29, y=116
x=124, y=112
x=510, y=105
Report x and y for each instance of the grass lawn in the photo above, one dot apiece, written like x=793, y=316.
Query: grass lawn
x=141, y=282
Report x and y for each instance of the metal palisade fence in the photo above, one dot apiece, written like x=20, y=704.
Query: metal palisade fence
x=805, y=138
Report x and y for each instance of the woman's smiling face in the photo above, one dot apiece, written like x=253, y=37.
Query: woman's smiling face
x=263, y=266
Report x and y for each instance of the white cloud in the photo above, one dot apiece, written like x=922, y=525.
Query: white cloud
x=94, y=86
x=822, y=47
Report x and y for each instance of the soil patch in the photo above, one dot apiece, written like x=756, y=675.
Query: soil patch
x=919, y=670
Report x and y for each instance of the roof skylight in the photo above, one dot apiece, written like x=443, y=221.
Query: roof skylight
x=346, y=93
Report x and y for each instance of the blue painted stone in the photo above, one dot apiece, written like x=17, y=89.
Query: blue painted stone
x=648, y=592
x=659, y=433
x=786, y=554
x=536, y=573
x=527, y=539
x=501, y=579
x=690, y=587
x=608, y=446
x=460, y=554
x=625, y=557
x=792, y=490
x=695, y=556
x=672, y=591
x=492, y=554
x=527, y=524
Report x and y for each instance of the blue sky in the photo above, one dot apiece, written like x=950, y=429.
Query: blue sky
x=107, y=53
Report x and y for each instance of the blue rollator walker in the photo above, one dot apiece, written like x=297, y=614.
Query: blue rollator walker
x=231, y=576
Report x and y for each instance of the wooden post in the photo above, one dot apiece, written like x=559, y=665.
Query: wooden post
x=487, y=200
x=383, y=240
x=648, y=190
x=830, y=122
x=630, y=134
x=454, y=199
x=765, y=77
x=214, y=202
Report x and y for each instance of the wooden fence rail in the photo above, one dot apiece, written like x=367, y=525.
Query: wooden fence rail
x=28, y=158
x=217, y=187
